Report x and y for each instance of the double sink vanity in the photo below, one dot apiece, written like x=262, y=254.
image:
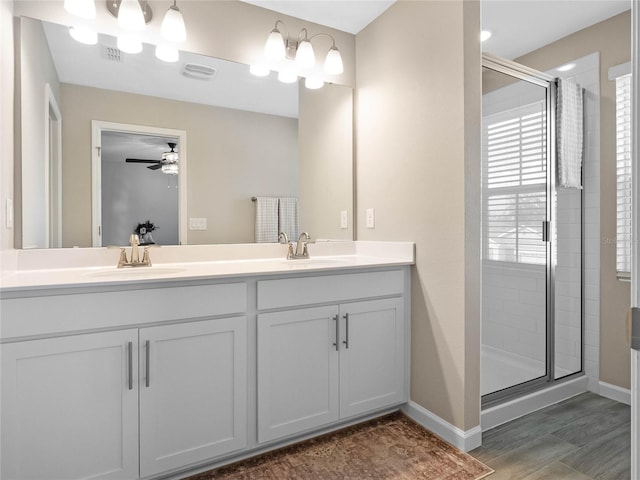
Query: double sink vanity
x=213, y=354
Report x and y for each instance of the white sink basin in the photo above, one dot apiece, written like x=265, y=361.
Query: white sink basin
x=135, y=272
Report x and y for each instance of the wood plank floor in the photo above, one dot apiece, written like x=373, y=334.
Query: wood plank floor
x=584, y=438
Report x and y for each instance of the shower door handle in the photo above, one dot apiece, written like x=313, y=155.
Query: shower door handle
x=545, y=230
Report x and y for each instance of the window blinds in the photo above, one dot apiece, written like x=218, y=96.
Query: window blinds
x=514, y=184
x=623, y=174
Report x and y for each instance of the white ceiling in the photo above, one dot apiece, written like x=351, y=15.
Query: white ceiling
x=118, y=146
x=521, y=26
x=346, y=15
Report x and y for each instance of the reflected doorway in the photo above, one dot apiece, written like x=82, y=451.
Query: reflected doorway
x=139, y=177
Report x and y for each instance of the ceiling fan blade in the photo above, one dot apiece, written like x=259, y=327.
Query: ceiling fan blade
x=140, y=160
x=155, y=167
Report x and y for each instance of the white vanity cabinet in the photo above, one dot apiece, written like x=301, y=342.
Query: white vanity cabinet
x=193, y=393
x=70, y=407
x=322, y=364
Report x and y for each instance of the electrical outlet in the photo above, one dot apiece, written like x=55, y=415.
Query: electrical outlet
x=371, y=218
x=344, y=221
x=197, y=224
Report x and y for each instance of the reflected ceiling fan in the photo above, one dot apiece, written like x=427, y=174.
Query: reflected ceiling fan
x=168, y=163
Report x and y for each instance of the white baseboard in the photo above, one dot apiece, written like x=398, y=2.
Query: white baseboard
x=464, y=440
x=516, y=408
x=614, y=392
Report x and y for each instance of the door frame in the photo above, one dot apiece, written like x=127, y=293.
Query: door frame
x=635, y=244
x=97, y=127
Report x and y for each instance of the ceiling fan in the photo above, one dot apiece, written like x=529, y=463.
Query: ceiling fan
x=168, y=159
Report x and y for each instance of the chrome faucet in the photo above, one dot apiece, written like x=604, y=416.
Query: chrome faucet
x=301, y=246
x=135, y=261
x=284, y=239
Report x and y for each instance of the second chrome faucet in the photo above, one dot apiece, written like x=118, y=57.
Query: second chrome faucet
x=301, y=246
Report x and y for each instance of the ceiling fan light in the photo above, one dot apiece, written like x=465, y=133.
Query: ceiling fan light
x=130, y=16
x=274, y=49
x=81, y=8
x=173, y=28
x=129, y=44
x=305, y=58
x=333, y=63
x=170, y=168
x=84, y=35
x=167, y=53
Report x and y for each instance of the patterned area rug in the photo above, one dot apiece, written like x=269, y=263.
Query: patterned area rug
x=390, y=447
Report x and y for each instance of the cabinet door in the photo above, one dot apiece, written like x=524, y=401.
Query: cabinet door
x=372, y=356
x=193, y=393
x=297, y=371
x=70, y=407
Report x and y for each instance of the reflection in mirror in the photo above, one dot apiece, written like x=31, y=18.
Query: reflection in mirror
x=246, y=138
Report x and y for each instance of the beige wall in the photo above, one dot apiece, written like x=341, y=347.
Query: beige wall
x=36, y=71
x=232, y=156
x=418, y=161
x=325, y=133
x=612, y=38
x=6, y=119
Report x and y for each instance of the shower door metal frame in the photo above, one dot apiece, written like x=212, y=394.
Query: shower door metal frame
x=548, y=82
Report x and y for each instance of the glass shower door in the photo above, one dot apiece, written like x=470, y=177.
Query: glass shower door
x=515, y=264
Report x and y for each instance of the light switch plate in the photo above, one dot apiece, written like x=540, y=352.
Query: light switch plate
x=8, y=212
x=344, y=220
x=197, y=224
x=371, y=218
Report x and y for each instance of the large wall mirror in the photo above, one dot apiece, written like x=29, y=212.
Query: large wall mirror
x=97, y=125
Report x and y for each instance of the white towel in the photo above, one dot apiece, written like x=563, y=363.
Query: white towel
x=569, y=134
x=289, y=220
x=266, y=220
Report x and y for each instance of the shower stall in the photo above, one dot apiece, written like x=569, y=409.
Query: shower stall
x=532, y=322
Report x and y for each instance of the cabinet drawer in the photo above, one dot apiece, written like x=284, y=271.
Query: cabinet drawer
x=23, y=317
x=292, y=292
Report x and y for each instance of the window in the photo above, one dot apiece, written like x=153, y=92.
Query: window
x=623, y=175
x=515, y=184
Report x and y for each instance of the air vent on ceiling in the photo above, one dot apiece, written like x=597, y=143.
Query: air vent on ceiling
x=112, y=54
x=198, y=72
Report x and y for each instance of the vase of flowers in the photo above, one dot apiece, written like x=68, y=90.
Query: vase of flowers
x=143, y=230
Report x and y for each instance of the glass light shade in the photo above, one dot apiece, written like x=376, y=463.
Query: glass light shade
x=274, y=49
x=170, y=157
x=313, y=83
x=170, y=169
x=130, y=16
x=84, y=35
x=288, y=75
x=305, y=58
x=167, y=54
x=259, y=70
x=333, y=63
x=129, y=44
x=173, y=28
x=81, y=8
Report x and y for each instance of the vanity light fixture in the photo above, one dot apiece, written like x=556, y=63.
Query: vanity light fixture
x=84, y=35
x=81, y=8
x=130, y=16
x=129, y=44
x=278, y=49
x=567, y=67
x=259, y=70
x=173, y=28
x=313, y=83
x=167, y=53
x=485, y=35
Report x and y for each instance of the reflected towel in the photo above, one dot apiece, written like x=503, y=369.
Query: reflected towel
x=266, y=220
x=289, y=219
x=569, y=133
